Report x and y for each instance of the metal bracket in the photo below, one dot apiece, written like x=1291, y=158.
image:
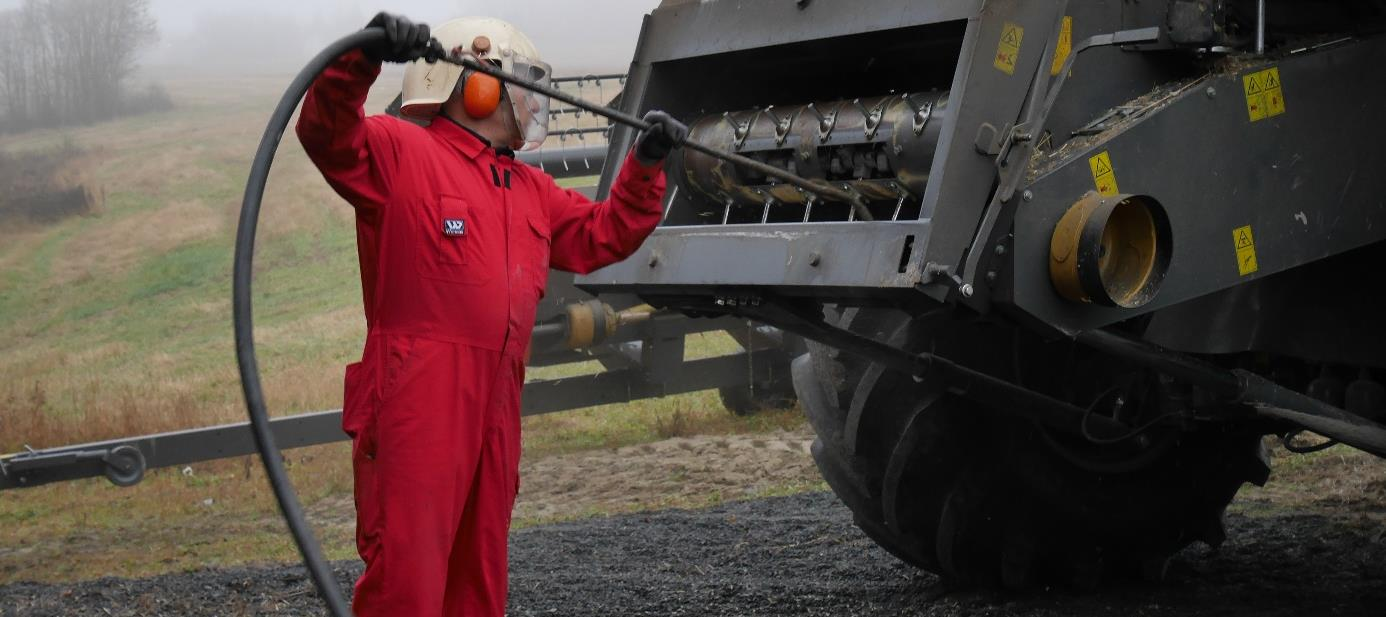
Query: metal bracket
x=941, y=273
x=1017, y=141
x=739, y=130
x=922, y=114
x=1017, y=134
x=872, y=116
x=782, y=125
x=991, y=140
x=123, y=465
x=826, y=124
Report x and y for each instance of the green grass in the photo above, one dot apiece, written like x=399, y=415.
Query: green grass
x=188, y=269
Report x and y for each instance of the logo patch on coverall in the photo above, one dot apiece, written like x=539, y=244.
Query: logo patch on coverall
x=454, y=227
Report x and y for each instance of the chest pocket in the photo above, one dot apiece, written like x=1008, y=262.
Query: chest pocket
x=453, y=246
x=537, y=254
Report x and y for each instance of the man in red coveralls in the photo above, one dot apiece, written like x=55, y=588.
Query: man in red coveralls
x=455, y=240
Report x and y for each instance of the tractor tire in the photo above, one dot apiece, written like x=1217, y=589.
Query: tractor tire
x=983, y=498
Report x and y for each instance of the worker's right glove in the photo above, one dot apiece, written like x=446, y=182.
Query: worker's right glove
x=665, y=133
x=405, y=41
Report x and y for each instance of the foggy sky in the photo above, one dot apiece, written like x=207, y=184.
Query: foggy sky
x=280, y=35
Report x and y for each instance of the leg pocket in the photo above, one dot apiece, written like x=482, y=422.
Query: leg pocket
x=358, y=405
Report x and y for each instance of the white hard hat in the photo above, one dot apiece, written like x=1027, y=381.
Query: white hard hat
x=427, y=86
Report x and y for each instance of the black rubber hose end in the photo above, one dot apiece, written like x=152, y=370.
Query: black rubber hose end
x=242, y=314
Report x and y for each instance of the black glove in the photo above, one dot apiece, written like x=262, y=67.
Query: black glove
x=665, y=133
x=405, y=41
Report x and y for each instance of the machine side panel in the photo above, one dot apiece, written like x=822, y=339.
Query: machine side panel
x=810, y=255
x=1299, y=174
x=622, y=137
x=989, y=89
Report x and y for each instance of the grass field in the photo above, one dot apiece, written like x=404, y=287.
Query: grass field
x=118, y=324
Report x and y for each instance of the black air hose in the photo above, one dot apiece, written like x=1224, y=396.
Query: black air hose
x=245, y=341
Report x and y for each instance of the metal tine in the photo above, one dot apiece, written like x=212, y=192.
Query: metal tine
x=582, y=143
x=851, y=212
x=765, y=214
x=562, y=141
x=673, y=195
x=726, y=211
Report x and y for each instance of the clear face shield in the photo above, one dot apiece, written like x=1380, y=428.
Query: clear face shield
x=531, y=109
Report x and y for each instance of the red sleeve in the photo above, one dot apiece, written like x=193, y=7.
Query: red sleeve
x=588, y=235
x=356, y=155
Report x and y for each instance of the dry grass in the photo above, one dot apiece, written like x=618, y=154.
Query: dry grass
x=675, y=424
x=113, y=412
x=1332, y=479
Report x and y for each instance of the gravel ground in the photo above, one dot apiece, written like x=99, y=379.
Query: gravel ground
x=799, y=555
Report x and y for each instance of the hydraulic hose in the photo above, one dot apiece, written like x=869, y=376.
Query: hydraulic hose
x=241, y=305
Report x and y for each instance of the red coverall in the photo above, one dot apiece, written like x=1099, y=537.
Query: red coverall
x=455, y=242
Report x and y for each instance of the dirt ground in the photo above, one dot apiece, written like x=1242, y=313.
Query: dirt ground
x=1310, y=543
x=684, y=470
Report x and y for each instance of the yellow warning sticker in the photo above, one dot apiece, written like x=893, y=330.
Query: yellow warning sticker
x=1264, y=96
x=1009, y=48
x=1275, y=98
x=1246, y=250
x=1064, y=47
x=1102, y=174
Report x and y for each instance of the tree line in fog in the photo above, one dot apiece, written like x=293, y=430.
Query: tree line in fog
x=67, y=62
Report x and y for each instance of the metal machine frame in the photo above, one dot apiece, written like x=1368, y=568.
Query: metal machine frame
x=1040, y=91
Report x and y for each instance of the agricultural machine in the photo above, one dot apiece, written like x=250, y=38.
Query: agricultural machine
x=1108, y=248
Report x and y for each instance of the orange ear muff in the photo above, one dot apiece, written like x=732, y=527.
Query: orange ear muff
x=481, y=95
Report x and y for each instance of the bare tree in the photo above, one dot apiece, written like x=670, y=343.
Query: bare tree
x=14, y=75
x=67, y=61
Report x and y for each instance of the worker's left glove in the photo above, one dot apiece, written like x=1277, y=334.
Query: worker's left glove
x=665, y=133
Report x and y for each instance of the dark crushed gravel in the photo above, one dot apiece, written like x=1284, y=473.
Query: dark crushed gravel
x=795, y=555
